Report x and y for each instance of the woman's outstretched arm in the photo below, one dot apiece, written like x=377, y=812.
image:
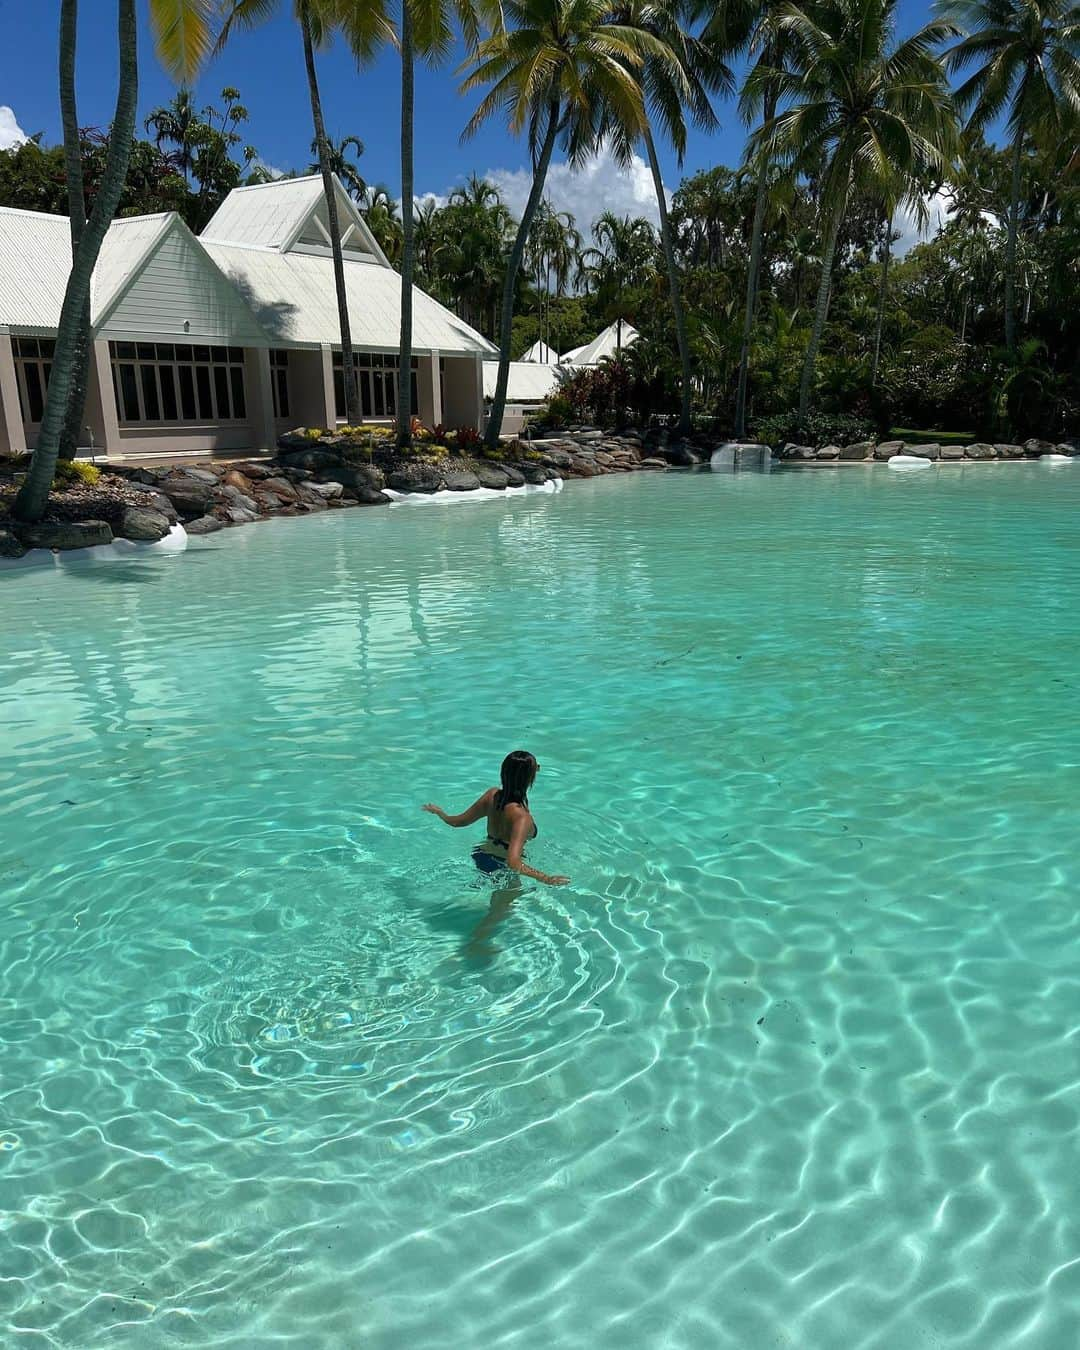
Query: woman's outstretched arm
x=522, y=826
x=477, y=811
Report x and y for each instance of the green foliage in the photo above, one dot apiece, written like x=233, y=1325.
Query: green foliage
x=70, y=472
x=819, y=428
x=912, y=437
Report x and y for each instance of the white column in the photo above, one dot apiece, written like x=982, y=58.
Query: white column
x=429, y=390
x=329, y=402
x=101, y=413
x=12, y=434
x=260, y=397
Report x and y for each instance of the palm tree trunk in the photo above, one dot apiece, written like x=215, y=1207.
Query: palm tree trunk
x=757, y=236
x=1010, y=242
x=404, y=398
x=883, y=292
x=69, y=435
x=821, y=309
x=34, y=493
x=513, y=267
x=353, y=411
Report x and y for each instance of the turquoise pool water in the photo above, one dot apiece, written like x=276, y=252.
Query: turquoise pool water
x=793, y=1062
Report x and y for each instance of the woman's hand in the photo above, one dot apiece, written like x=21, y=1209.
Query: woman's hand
x=435, y=810
x=557, y=881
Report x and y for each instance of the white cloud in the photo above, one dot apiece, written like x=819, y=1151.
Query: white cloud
x=598, y=186
x=907, y=224
x=10, y=131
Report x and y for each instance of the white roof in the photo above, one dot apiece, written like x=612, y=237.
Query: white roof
x=529, y=381
x=604, y=344
x=293, y=295
x=274, y=215
x=569, y=357
x=35, y=259
x=542, y=353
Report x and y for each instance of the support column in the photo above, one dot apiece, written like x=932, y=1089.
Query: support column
x=12, y=435
x=329, y=401
x=429, y=390
x=260, y=397
x=463, y=395
x=101, y=413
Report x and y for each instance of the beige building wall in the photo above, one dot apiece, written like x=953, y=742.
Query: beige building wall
x=463, y=391
x=12, y=436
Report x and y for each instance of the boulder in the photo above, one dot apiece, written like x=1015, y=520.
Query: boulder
x=234, y=478
x=930, y=451
x=1007, y=451
x=556, y=456
x=254, y=470
x=144, y=525
x=314, y=501
x=64, y=534
x=357, y=475
x=582, y=467
x=190, y=497
x=828, y=452
x=202, y=475
x=297, y=439
x=328, y=491
x=267, y=502
x=239, y=515
x=793, y=451
x=652, y=463
x=514, y=476
x=157, y=501
x=280, y=488
x=370, y=496
x=981, y=450
x=204, y=525
x=680, y=454
x=309, y=459
x=536, y=473
x=1034, y=448
x=461, y=480
x=415, y=478
x=1071, y=448
x=234, y=497
x=10, y=545
x=489, y=476
x=887, y=449
x=952, y=451
x=860, y=450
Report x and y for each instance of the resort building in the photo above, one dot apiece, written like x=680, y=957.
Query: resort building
x=221, y=342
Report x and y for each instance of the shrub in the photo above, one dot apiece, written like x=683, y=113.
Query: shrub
x=820, y=428
x=71, y=471
x=435, y=451
x=466, y=439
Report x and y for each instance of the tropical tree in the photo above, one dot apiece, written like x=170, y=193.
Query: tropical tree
x=863, y=113
x=76, y=201
x=177, y=123
x=676, y=80
x=342, y=164
x=558, y=70
x=1028, y=58
x=366, y=27
x=34, y=493
x=619, y=266
x=380, y=211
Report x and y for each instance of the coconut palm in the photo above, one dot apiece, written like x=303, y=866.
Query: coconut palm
x=619, y=265
x=558, y=70
x=1029, y=52
x=676, y=82
x=341, y=163
x=34, y=493
x=365, y=26
x=177, y=123
x=862, y=110
x=380, y=211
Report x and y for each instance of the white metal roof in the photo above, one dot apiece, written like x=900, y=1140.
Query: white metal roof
x=542, y=353
x=604, y=344
x=273, y=215
x=529, y=381
x=35, y=259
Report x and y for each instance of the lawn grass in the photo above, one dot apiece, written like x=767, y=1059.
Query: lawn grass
x=929, y=437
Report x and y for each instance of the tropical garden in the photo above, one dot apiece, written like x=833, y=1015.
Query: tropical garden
x=770, y=299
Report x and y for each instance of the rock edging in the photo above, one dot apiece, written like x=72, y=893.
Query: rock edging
x=867, y=452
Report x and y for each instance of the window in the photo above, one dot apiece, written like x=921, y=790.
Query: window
x=33, y=365
x=279, y=382
x=377, y=375
x=167, y=382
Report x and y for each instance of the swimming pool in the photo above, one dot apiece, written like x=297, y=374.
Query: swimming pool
x=794, y=1061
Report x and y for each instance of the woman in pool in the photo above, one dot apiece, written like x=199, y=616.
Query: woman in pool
x=509, y=820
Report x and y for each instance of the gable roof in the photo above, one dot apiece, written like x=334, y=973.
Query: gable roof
x=604, y=344
x=276, y=214
x=35, y=261
x=542, y=353
x=294, y=297
x=527, y=381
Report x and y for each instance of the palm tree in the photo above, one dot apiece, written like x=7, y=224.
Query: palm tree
x=177, y=123
x=34, y=493
x=560, y=70
x=69, y=435
x=863, y=111
x=341, y=165
x=675, y=83
x=1030, y=54
x=380, y=211
x=757, y=28
x=618, y=266
x=365, y=26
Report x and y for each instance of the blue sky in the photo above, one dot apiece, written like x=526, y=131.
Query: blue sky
x=266, y=65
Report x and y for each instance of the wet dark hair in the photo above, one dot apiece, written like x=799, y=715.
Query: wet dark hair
x=517, y=774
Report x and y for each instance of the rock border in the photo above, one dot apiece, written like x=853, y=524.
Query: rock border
x=871, y=452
